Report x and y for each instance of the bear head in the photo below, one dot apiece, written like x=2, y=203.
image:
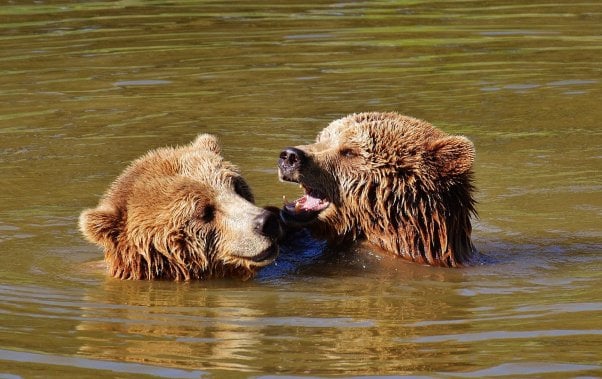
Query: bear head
x=182, y=213
x=396, y=181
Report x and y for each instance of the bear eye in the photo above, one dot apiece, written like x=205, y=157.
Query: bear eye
x=207, y=213
x=349, y=152
x=242, y=189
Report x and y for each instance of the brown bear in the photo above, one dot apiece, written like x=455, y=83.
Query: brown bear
x=182, y=213
x=394, y=181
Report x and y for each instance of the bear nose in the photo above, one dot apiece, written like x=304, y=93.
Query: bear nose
x=291, y=158
x=268, y=224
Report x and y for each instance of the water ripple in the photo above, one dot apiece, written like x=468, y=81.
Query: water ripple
x=504, y=335
x=99, y=365
x=527, y=368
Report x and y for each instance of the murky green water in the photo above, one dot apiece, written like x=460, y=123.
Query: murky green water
x=85, y=87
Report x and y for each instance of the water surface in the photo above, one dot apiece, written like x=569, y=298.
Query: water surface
x=85, y=87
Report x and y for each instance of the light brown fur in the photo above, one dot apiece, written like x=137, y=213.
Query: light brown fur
x=395, y=181
x=181, y=213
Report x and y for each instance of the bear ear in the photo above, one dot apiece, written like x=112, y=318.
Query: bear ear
x=100, y=226
x=453, y=155
x=207, y=142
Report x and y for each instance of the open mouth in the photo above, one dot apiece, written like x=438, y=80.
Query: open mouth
x=306, y=208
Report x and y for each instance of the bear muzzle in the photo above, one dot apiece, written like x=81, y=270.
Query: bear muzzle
x=268, y=224
x=307, y=208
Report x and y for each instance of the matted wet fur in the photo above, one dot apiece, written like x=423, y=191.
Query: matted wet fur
x=395, y=181
x=182, y=213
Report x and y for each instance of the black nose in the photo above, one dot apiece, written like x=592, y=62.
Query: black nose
x=291, y=159
x=268, y=224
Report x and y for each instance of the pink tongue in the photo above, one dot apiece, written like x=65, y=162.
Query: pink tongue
x=310, y=203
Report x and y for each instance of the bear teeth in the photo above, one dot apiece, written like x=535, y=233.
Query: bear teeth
x=311, y=201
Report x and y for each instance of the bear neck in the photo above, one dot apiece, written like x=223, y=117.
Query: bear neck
x=417, y=223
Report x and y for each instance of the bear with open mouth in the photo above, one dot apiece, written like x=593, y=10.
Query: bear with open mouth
x=394, y=181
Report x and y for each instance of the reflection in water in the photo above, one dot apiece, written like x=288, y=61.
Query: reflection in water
x=253, y=327
x=87, y=87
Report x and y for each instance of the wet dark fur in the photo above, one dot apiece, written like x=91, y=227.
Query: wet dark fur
x=396, y=182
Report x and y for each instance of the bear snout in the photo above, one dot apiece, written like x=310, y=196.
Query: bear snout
x=290, y=161
x=268, y=224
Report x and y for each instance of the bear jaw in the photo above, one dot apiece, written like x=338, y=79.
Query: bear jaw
x=257, y=231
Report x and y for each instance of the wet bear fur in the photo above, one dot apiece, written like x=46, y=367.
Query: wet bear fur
x=394, y=181
x=182, y=213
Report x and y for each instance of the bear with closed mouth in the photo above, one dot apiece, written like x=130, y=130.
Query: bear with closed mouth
x=182, y=213
x=394, y=181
